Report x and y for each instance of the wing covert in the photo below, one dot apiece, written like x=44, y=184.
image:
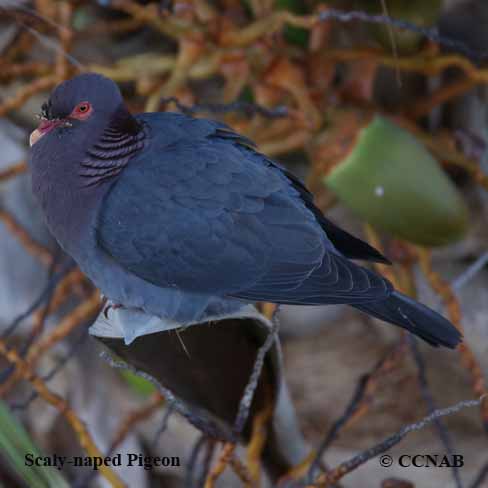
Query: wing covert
x=205, y=216
x=209, y=214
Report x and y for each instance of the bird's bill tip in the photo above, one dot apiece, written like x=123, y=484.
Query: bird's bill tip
x=44, y=127
x=34, y=137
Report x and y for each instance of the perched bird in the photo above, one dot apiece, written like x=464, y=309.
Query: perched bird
x=185, y=219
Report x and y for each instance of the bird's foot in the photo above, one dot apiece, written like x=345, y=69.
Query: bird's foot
x=110, y=306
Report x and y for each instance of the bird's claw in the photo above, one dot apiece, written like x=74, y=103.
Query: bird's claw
x=109, y=306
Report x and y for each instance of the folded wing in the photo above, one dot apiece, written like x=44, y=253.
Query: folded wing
x=214, y=216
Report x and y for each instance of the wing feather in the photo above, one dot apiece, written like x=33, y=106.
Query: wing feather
x=211, y=215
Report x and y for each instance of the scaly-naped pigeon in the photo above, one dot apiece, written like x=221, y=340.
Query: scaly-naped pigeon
x=185, y=219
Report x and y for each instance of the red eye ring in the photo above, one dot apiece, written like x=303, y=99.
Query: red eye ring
x=82, y=111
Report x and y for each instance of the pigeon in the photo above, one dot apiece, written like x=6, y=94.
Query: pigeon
x=183, y=218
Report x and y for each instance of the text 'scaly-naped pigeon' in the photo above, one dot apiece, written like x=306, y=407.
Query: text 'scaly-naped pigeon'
x=185, y=219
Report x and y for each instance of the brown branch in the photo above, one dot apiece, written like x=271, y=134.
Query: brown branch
x=13, y=171
x=64, y=289
x=259, y=435
x=17, y=46
x=428, y=397
x=77, y=317
x=424, y=106
x=113, y=27
x=12, y=71
x=242, y=472
x=33, y=247
x=424, y=64
x=299, y=470
x=294, y=141
x=446, y=153
x=265, y=27
x=453, y=308
x=360, y=402
x=374, y=239
x=149, y=15
x=27, y=91
x=143, y=413
x=64, y=409
x=224, y=459
x=59, y=297
x=65, y=13
x=188, y=53
x=346, y=467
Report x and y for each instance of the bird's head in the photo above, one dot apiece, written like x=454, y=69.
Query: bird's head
x=77, y=106
x=85, y=138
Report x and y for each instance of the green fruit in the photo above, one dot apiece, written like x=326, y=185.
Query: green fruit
x=393, y=182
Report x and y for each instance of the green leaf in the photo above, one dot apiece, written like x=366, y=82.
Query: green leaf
x=294, y=35
x=393, y=182
x=137, y=383
x=15, y=443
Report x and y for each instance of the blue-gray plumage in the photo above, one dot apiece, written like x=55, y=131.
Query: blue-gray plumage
x=185, y=219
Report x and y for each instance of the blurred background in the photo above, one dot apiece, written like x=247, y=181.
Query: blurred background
x=388, y=127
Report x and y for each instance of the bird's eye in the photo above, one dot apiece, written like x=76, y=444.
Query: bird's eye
x=82, y=111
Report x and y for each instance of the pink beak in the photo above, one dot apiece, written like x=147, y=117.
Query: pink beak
x=44, y=127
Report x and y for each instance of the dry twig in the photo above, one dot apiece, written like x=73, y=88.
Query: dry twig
x=30, y=245
x=62, y=406
x=224, y=459
x=135, y=417
x=346, y=467
x=454, y=311
x=13, y=171
x=27, y=91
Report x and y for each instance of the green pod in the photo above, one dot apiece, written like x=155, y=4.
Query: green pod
x=390, y=180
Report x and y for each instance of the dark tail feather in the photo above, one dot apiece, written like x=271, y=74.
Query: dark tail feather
x=418, y=319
